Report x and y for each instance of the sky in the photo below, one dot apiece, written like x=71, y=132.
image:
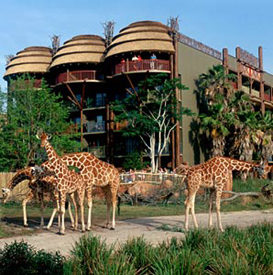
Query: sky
x=215, y=23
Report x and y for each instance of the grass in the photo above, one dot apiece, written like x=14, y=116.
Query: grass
x=247, y=251
x=13, y=211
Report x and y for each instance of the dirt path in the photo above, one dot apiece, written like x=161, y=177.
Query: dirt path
x=50, y=241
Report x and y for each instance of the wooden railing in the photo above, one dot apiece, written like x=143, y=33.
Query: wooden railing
x=76, y=76
x=143, y=65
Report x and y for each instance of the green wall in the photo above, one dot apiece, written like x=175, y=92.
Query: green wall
x=191, y=63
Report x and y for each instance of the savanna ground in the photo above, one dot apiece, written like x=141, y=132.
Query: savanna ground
x=155, y=222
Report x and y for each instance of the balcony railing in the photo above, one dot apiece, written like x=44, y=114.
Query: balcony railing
x=94, y=127
x=267, y=97
x=78, y=75
x=143, y=65
x=98, y=151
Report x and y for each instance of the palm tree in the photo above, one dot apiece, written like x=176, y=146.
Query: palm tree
x=266, y=127
x=215, y=87
x=246, y=133
x=216, y=81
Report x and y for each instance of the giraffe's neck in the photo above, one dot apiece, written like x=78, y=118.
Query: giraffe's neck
x=240, y=165
x=24, y=174
x=53, y=158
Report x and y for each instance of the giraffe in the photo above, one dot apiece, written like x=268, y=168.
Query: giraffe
x=68, y=181
x=37, y=186
x=214, y=174
x=97, y=173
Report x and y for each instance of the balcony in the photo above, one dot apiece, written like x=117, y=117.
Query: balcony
x=98, y=151
x=78, y=76
x=94, y=127
x=143, y=65
x=267, y=97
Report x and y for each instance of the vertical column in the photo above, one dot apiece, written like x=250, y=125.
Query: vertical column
x=225, y=59
x=107, y=149
x=173, y=133
x=261, y=71
x=239, y=71
x=177, y=132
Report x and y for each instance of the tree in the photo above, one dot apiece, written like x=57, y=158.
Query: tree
x=266, y=127
x=245, y=130
x=28, y=110
x=151, y=113
x=215, y=92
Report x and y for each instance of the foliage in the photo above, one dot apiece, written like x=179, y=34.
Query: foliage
x=134, y=161
x=229, y=117
x=151, y=111
x=247, y=251
x=30, y=109
x=215, y=117
x=21, y=258
x=92, y=256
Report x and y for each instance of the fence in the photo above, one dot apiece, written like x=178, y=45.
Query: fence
x=154, y=178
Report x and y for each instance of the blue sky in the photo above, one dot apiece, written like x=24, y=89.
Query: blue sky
x=216, y=23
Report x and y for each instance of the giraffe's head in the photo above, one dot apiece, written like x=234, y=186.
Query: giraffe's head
x=263, y=169
x=6, y=194
x=43, y=137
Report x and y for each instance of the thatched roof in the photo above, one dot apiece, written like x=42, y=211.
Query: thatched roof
x=142, y=36
x=80, y=49
x=30, y=60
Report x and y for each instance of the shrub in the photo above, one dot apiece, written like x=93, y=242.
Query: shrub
x=92, y=256
x=48, y=263
x=16, y=258
x=21, y=258
x=236, y=251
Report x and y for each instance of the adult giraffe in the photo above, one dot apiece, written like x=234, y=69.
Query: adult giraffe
x=214, y=174
x=97, y=173
x=67, y=182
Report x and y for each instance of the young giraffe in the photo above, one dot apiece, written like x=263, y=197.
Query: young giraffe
x=99, y=173
x=39, y=187
x=214, y=174
x=68, y=181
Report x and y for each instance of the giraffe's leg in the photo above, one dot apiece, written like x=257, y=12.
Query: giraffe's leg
x=89, y=205
x=186, y=214
x=55, y=198
x=218, y=199
x=41, y=199
x=71, y=214
x=211, y=206
x=192, y=201
x=75, y=204
x=107, y=193
x=62, y=213
x=81, y=194
x=73, y=222
x=114, y=204
x=24, y=204
x=189, y=203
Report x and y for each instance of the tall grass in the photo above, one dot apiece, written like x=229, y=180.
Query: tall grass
x=248, y=251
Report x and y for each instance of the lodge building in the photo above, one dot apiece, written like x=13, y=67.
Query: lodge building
x=97, y=72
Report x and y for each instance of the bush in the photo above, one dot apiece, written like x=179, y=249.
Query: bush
x=48, y=263
x=16, y=258
x=92, y=256
x=22, y=258
x=236, y=251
